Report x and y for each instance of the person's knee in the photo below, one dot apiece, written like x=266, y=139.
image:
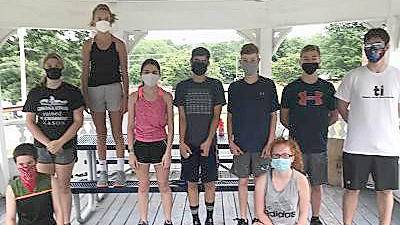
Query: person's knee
x=210, y=186
x=63, y=186
x=164, y=187
x=144, y=187
x=243, y=182
x=192, y=186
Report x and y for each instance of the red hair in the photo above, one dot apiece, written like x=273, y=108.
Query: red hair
x=295, y=151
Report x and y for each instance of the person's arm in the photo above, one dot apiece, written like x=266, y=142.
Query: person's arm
x=131, y=129
x=11, y=207
x=259, y=199
x=333, y=117
x=170, y=125
x=343, y=108
x=304, y=198
x=56, y=145
x=234, y=148
x=34, y=128
x=122, y=53
x=185, y=150
x=284, y=110
x=271, y=137
x=85, y=70
x=205, y=146
x=284, y=117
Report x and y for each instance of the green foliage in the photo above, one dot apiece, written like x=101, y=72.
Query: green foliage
x=340, y=52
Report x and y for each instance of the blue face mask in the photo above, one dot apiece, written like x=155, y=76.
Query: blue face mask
x=372, y=51
x=281, y=164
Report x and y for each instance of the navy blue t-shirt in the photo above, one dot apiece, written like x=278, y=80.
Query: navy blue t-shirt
x=309, y=106
x=251, y=106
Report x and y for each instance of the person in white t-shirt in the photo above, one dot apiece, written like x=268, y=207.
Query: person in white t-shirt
x=372, y=145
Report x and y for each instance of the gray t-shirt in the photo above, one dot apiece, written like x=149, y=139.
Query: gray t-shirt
x=199, y=100
x=282, y=206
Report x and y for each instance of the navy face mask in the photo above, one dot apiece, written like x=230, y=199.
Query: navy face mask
x=375, y=51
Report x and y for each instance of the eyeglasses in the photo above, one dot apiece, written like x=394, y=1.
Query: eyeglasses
x=283, y=156
x=377, y=45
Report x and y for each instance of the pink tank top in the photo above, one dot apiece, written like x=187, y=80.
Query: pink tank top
x=150, y=117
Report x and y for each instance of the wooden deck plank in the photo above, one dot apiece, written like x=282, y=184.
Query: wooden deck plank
x=229, y=205
x=334, y=199
x=126, y=210
x=110, y=216
x=122, y=209
x=178, y=208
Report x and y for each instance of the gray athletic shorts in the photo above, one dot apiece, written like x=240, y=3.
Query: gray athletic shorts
x=105, y=97
x=65, y=157
x=316, y=167
x=249, y=163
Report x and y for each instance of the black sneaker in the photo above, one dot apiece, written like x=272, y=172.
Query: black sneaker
x=209, y=221
x=142, y=223
x=241, y=221
x=315, y=221
x=196, y=221
x=167, y=223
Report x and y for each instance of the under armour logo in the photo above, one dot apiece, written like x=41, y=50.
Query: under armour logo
x=316, y=98
x=378, y=91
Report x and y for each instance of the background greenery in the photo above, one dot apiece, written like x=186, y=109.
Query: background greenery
x=340, y=52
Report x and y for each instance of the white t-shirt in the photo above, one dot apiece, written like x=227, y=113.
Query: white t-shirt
x=373, y=121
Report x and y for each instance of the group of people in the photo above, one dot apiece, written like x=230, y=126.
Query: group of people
x=288, y=173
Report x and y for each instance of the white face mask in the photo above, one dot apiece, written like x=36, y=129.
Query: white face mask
x=150, y=79
x=103, y=26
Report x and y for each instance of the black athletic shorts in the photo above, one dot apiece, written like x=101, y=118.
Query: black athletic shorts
x=199, y=167
x=150, y=152
x=384, y=170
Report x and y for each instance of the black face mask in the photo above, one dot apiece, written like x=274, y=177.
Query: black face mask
x=310, y=68
x=53, y=73
x=199, y=68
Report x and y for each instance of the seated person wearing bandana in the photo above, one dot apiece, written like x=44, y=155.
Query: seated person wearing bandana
x=29, y=195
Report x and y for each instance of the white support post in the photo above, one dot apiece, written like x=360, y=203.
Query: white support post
x=4, y=167
x=265, y=45
x=21, y=39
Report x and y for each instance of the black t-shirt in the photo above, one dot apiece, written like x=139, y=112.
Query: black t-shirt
x=199, y=100
x=251, y=106
x=54, y=110
x=309, y=106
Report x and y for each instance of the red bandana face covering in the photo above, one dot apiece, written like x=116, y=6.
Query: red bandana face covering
x=28, y=177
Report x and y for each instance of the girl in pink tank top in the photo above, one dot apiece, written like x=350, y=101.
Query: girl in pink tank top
x=149, y=113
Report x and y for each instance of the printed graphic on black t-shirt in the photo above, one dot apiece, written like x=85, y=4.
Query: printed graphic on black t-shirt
x=309, y=106
x=199, y=100
x=54, y=110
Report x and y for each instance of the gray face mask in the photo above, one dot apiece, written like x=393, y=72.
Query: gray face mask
x=249, y=68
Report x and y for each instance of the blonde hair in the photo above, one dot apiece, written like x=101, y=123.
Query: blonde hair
x=295, y=151
x=52, y=55
x=104, y=7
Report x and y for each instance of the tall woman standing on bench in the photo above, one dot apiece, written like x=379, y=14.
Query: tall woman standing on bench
x=150, y=110
x=104, y=67
x=54, y=114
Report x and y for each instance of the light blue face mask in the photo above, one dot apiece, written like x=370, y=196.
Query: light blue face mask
x=281, y=164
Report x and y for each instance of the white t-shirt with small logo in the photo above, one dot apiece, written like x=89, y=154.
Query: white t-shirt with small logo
x=373, y=121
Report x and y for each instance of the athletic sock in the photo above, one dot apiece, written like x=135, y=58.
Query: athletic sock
x=210, y=209
x=120, y=164
x=103, y=165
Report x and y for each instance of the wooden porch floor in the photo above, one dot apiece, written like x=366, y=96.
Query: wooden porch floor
x=118, y=209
